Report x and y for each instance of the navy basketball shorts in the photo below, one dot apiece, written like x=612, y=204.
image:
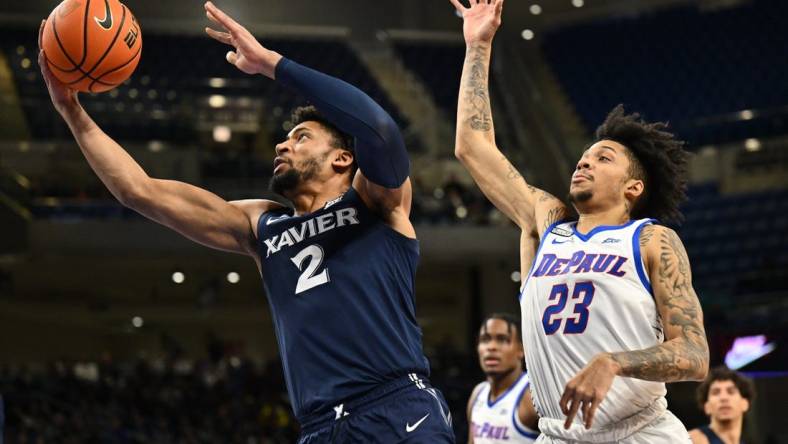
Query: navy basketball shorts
x=406, y=410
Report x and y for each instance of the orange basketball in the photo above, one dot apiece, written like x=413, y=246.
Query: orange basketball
x=92, y=45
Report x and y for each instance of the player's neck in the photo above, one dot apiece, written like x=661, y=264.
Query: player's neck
x=499, y=385
x=590, y=219
x=313, y=196
x=728, y=431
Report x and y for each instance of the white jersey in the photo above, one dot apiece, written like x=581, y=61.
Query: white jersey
x=587, y=294
x=497, y=422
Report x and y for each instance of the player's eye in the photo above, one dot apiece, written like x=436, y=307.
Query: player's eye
x=301, y=137
x=604, y=158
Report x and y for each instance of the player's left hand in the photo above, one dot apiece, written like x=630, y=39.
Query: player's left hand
x=587, y=389
x=250, y=56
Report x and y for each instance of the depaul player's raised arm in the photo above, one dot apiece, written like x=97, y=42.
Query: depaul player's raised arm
x=475, y=145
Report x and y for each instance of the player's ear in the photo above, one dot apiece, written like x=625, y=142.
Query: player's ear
x=342, y=159
x=707, y=409
x=746, y=405
x=633, y=188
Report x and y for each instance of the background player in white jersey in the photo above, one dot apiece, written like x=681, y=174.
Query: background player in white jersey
x=500, y=409
x=616, y=370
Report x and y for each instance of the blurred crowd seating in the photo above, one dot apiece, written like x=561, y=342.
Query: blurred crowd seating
x=716, y=75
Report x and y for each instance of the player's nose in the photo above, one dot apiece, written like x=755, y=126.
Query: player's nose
x=280, y=148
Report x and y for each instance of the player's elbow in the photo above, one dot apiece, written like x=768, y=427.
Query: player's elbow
x=702, y=362
x=134, y=196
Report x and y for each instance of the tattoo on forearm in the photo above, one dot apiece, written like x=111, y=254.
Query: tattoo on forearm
x=476, y=95
x=687, y=355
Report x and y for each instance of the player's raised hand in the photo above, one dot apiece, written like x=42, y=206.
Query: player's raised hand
x=587, y=389
x=481, y=20
x=249, y=56
x=62, y=96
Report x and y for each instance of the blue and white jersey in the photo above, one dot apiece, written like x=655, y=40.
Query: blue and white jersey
x=587, y=294
x=340, y=284
x=498, y=422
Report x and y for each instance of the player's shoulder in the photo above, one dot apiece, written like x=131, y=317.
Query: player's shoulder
x=255, y=208
x=653, y=236
x=475, y=392
x=698, y=437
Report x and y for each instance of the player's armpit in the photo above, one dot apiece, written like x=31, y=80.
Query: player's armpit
x=685, y=353
x=527, y=411
x=548, y=210
x=196, y=214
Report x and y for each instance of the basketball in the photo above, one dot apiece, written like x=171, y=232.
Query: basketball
x=92, y=46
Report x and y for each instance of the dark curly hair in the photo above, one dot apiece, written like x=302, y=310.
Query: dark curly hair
x=511, y=323
x=309, y=113
x=656, y=157
x=743, y=384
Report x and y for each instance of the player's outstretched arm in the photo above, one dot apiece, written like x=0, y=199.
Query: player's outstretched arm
x=684, y=356
x=193, y=212
x=380, y=150
x=475, y=145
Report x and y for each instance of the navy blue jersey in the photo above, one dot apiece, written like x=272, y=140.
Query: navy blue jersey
x=340, y=283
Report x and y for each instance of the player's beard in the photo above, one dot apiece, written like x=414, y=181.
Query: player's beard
x=580, y=196
x=284, y=184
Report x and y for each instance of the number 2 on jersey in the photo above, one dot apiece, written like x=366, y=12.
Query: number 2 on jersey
x=577, y=320
x=308, y=278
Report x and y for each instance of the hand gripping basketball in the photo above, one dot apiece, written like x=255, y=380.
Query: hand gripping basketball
x=62, y=96
x=249, y=56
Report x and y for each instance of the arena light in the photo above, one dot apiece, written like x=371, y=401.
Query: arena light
x=527, y=34
x=578, y=3
x=222, y=133
x=233, y=277
x=217, y=101
x=515, y=276
x=746, y=114
x=178, y=277
x=752, y=145
x=535, y=9
x=155, y=146
x=746, y=350
x=137, y=321
x=217, y=82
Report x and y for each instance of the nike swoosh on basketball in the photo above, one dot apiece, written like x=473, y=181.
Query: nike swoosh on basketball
x=409, y=428
x=106, y=23
x=554, y=241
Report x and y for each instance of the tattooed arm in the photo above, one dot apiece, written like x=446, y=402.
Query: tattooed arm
x=475, y=145
x=685, y=354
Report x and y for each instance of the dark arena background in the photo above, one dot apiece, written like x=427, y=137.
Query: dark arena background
x=116, y=330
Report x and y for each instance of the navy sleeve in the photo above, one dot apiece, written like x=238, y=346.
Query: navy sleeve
x=380, y=151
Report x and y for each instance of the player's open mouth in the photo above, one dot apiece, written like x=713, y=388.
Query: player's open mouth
x=491, y=361
x=278, y=162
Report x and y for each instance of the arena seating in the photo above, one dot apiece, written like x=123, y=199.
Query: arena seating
x=696, y=69
x=173, y=82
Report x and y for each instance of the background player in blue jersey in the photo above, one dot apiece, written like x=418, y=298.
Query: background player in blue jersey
x=500, y=409
x=725, y=396
x=339, y=268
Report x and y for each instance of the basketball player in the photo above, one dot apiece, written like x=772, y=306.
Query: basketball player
x=608, y=309
x=500, y=409
x=339, y=268
x=725, y=396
